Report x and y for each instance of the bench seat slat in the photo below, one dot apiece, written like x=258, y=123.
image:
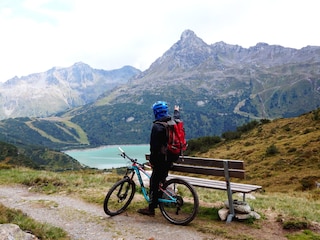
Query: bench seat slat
x=216, y=184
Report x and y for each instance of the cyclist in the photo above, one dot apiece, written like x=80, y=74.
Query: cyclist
x=160, y=159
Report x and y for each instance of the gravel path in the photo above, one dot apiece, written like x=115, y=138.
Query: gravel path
x=88, y=221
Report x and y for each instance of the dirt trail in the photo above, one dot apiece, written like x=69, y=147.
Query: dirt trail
x=84, y=221
x=88, y=221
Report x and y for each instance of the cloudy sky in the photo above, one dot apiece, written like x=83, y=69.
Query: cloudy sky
x=37, y=35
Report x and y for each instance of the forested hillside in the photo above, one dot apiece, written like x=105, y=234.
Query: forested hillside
x=36, y=157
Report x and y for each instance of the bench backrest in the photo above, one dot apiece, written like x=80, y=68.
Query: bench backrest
x=208, y=166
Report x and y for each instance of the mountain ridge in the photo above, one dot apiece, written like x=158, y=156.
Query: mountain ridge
x=58, y=89
x=222, y=70
x=217, y=86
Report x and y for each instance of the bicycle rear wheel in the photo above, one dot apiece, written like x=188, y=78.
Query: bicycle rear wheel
x=119, y=196
x=185, y=209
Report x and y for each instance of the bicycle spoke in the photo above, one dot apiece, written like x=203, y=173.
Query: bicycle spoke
x=184, y=209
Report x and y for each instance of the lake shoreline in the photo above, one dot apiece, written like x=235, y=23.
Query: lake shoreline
x=108, y=156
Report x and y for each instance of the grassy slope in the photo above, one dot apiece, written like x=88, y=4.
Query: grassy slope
x=282, y=155
x=83, y=139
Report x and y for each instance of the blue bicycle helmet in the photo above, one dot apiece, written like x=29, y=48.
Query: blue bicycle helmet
x=160, y=109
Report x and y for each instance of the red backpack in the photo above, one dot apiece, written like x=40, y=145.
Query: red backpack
x=177, y=142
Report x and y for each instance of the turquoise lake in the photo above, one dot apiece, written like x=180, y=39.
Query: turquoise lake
x=108, y=157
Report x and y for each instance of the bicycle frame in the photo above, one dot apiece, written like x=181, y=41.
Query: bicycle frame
x=137, y=169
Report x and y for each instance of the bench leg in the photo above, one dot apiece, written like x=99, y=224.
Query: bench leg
x=229, y=218
x=230, y=200
x=229, y=192
x=231, y=207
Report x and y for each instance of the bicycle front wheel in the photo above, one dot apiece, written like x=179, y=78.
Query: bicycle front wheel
x=185, y=207
x=119, y=197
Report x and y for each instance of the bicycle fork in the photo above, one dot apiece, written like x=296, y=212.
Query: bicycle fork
x=123, y=193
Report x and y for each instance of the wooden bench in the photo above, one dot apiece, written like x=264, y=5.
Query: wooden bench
x=214, y=167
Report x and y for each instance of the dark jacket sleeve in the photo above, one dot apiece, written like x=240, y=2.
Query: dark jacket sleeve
x=176, y=114
x=158, y=140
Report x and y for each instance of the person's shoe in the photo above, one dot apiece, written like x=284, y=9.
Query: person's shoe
x=146, y=211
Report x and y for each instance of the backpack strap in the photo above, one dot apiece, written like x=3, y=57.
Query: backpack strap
x=171, y=122
x=167, y=124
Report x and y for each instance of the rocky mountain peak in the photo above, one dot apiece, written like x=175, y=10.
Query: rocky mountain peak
x=187, y=34
x=189, y=39
x=81, y=66
x=188, y=52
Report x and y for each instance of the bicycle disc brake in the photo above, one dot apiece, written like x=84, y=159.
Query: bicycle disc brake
x=179, y=204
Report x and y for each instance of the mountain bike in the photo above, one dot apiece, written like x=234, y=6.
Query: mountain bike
x=179, y=202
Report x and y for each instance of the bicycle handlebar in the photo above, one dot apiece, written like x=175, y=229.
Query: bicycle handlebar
x=124, y=155
x=121, y=150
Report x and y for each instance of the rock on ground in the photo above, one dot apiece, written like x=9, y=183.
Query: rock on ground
x=13, y=232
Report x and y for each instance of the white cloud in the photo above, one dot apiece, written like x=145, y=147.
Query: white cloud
x=37, y=35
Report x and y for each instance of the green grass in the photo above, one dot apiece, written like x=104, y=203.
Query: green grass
x=90, y=185
x=293, y=205
x=305, y=235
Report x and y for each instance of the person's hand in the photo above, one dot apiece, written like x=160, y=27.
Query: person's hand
x=176, y=107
